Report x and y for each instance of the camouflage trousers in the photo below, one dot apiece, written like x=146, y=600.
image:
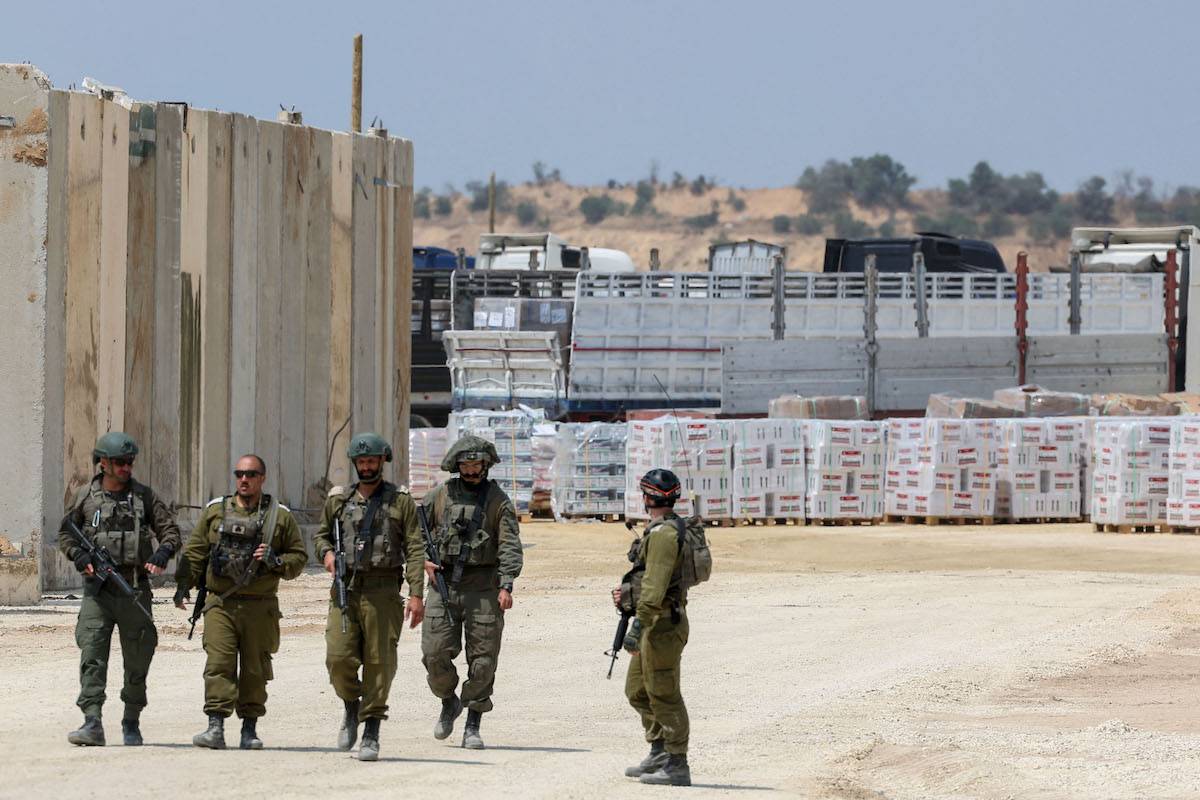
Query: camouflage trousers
x=652, y=684
x=240, y=635
x=374, y=619
x=100, y=611
x=473, y=617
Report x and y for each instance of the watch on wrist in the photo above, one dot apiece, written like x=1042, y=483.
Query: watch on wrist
x=506, y=587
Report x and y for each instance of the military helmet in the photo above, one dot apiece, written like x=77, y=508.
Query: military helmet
x=661, y=487
x=114, y=444
x=369, y=444
x=470, y=448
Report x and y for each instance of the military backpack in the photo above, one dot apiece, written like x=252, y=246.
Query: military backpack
x=695, y=563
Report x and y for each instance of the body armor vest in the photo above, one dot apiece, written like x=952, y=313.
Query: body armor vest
x=374, y=534
x=463, y=541
x=117, y=525
x=631, y=582
x=233, y=554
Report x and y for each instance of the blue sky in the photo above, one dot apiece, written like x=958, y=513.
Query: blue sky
x=751, y=92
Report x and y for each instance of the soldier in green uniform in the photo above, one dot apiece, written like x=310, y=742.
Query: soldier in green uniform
x=383, y=546
x=479, y=546
x=240, y=548
x=119, y=514
x=657, y=635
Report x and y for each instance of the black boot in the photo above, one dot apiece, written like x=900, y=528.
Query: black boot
x=213, y=736
x=131, y=733
x=451, y=708
x=250, y=740
x=471, y=739
x=369, y=749
x=651, y=763
x=89, y=734
x=348, y=733
x=674, y=773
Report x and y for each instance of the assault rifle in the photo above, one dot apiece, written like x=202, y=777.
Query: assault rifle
x=431, y=555
x=618, y=641
x=201, y=599
x=103, y=567
x=339, y=570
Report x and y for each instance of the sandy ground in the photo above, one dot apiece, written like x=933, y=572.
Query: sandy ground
x=889, y=662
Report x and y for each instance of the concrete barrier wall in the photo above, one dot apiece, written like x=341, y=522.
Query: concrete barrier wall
x=212, y=284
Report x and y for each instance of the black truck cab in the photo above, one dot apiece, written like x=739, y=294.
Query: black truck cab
x=943, y=253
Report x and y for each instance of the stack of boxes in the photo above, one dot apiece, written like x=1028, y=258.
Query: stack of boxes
x=768, y=468
x=512, y=433
x=1038, y=468
x=1183, y=498
x=699, y=451
x=844, y=462
x=941, y=468
x=426, y=449
x=589, y=469
x=1131, y=471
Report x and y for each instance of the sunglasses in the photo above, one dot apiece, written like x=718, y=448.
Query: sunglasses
x=246, y=473
x=121, y=462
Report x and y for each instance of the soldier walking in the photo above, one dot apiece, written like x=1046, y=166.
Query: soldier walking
x=241, y=547
x=379, y=524
x=479, y=546
x=117, y=514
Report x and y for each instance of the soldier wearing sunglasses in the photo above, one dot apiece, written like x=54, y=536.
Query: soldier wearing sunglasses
x=120, y=515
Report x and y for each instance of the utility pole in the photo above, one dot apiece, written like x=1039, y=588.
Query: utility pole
x=356, y=87
x=492, y=203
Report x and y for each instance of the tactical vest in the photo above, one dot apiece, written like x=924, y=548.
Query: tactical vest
x=116, y=525
x=631, y=582
x=462, y=538
x=233, y=555
x=372, y=529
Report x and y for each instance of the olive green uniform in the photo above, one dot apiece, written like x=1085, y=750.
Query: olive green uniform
x=378, y=558
x=479, y=546
x=652, y=683
x=123, y=523
x=241, y=630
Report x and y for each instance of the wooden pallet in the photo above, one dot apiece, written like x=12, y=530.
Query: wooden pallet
x=721, y=522
x=912, y=519
x=1108, y=527
x=1181, y=529
x=1037, y=520
x=769, y=522
x=846, y=523
x=597, y=517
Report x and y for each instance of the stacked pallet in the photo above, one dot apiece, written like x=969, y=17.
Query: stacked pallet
x=512, y=433
x=589, y=470
x=768, y=469
x=699, y=451
x=941, y=469
x=426, y=449
x=1131, y=474
x=1038, y=468
x=1183, y=493
x=844, y=461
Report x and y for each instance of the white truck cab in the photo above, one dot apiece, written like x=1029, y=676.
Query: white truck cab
x=546, y=251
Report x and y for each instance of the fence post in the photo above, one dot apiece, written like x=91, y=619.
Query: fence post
x=1022, y=318
x=1171, y=284
x=922, y=303
x=777, y=300
x=1075, y=319
x=871, y=325
x=654, y=263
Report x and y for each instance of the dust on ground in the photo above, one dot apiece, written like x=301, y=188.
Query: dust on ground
x=897, y=662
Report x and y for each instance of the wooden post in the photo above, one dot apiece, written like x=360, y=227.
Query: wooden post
x=492, y=203
x=356, y=87
x=1022, y=323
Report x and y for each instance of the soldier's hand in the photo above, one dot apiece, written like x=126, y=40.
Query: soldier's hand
x=153, y=569
x=414, y=611
x=505, y=600
x=633, y=637
x=616, y=593
x=260, y=552
x=329, y=559
x=89, y=570
x=181, y=600
x=431, y=569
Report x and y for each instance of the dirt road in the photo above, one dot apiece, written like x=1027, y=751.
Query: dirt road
x=889, y=662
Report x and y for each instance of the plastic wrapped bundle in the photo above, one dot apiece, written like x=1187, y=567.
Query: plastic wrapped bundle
x=943, y=468
x=699, y=451
x=945, y=406
x=589, y=470
x=1032, y=400
x=426, y=449
x=768, y=468
x=834, y=407
x=1131, y=472
x=844, y=462
x=1132, y=405
x=512, y=433
x=545, y=449
x=1038, y=468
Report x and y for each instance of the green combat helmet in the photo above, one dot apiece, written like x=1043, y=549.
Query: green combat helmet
x=369, y=444
x=470, y=448
x=114, y=444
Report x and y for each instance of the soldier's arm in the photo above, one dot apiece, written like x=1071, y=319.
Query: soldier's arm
x=662, y=548
x=291, y=546
x=510, y=556
x=195, y=552
x=323, y=539
x=414, y=547
x=67, y=542
x=166, y=530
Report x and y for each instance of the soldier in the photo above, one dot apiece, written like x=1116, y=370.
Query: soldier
x=240, y=548
x=379, y=524
x=119, y=514
x=479, y=544
x=658, y=634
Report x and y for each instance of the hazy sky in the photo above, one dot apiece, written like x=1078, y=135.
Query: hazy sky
x=751, y=92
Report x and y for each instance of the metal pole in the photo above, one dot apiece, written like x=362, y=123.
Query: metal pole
x=922, y=304
x=1171, y=285
x=492, y=203
x=1022, y=322
x=356, y=87
x=1075, y=318
x=1185, y=272
x=871, y=325
x=777, y=300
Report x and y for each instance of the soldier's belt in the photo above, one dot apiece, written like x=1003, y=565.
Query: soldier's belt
x=368, y=582
x=249, y=597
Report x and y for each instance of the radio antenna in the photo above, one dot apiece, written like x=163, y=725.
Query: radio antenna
x=682, y=442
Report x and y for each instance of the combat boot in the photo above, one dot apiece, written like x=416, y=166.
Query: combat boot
x=451, y=708
x=651, y=763
x=348, y=733
x=213, y=736
x=471, y=739
x=131, y=733
x=250, y=740
x=89, y=734
x=369, y=749
x=673, y=773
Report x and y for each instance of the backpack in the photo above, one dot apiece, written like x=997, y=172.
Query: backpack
x=695, y=563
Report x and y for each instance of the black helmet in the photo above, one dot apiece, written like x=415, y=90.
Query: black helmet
x=661, y=488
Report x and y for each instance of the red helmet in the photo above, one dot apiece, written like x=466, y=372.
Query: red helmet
x=661, y=488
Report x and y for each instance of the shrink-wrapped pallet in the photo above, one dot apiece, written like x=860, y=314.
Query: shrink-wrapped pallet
x=512, y=433
x=1032, y=400
x=426, y=449
x=698, y=451
x=796, y=406
x=768, y=468
x=844, y=460
x=941, y=468
x=589, y=469
x=1131, y=471
x=1038, y=468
